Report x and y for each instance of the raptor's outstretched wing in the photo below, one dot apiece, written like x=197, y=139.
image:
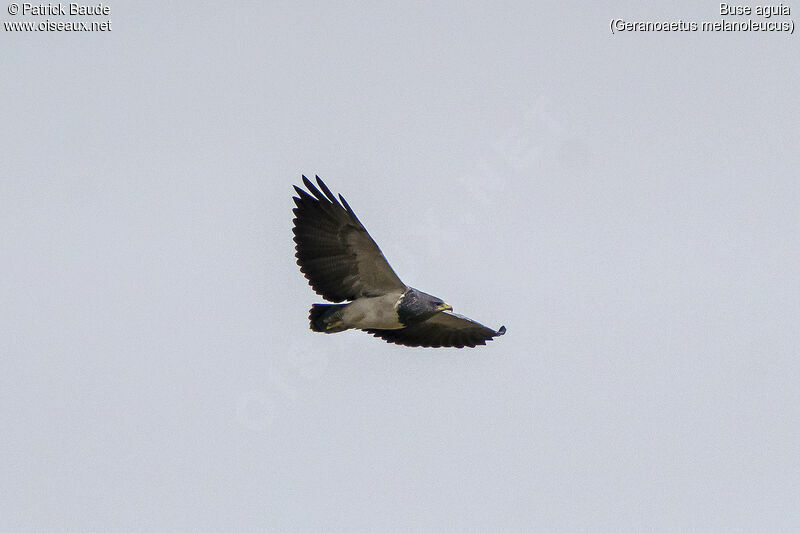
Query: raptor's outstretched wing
x=334, y=250
x=442, y=330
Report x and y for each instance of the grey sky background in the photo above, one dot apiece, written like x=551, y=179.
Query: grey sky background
x=627, y=205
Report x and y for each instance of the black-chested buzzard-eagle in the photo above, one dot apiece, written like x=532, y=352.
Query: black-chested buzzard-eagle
x=343, y=263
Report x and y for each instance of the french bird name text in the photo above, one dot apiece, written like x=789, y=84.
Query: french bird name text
x=761, y=11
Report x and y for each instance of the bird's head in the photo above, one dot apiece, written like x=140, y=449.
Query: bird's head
x=416, y=306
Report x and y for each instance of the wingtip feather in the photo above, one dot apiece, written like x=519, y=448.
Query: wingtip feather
x=325, y=189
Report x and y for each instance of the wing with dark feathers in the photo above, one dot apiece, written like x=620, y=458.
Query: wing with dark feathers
x=334, y=251
x=442, y=330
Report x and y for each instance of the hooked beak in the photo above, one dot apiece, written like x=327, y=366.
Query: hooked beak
x=445, y=307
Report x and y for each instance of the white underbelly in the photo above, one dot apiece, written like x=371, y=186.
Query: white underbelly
x=373, y=313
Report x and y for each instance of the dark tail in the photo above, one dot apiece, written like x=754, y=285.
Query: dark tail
x=326, y=318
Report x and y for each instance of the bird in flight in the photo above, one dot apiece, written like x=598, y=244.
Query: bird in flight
x=343, y=263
